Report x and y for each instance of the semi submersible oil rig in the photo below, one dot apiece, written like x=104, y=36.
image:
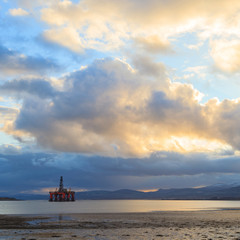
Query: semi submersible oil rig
x=62, y=194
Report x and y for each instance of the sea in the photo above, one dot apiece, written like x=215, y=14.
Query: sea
x=39, y=207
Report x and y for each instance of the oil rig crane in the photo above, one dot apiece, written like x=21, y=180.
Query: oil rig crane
x=62, y=194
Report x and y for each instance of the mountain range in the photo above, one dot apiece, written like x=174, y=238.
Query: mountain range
x=213, y=192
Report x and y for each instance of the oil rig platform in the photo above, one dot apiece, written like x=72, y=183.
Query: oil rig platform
x=61, y=194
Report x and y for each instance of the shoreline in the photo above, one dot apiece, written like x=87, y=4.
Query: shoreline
x=152, y=225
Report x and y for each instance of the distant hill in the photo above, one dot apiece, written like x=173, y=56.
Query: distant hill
x=8, y=199
x=213, y=192
x=22, y=196
x=119, y=194
x=204, y=193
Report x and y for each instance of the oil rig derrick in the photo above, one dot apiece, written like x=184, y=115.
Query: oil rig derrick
x=62, y=194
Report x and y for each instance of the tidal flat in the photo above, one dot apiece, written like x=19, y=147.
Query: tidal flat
x=222, y=224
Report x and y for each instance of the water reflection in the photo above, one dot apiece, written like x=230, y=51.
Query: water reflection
x=111, y=206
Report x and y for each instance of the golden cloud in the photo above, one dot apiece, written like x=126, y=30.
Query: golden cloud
x=8, y=116
x=112, y=109
x=226, y=54
x=109, y=24
x=18, y=12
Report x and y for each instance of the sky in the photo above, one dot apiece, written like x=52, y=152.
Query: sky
x=137, y=94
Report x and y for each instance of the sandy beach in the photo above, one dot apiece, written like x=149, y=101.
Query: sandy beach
x=159, y=225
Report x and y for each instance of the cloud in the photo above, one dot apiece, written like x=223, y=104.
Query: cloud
x=36, y=87
x=145, y=65
x=95, y=106
x=111, y=24
x=197, y=71
x=16, y=12
x=223, y=120
x=67, y=37
x=153, y=44
x=34, y=171
x=226, y=55
x=112, y=109
x=7, y=110
x=87, y=31
x=28, y=4
x=9, y=149
x=8, y=117
x=157, y=164
x=13, y=63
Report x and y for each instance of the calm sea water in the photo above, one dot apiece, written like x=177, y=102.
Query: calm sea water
x=111, y=206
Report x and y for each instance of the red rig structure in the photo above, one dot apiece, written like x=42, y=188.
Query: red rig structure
x=62, y=194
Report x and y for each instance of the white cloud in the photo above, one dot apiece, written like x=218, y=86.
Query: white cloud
x=13, y=63
x=67, y=37
x=226, y=55
x=30, y=4
x=195, y=46
x=110, y=24
x=16, y=12
x=200, y=71
x=154, y=44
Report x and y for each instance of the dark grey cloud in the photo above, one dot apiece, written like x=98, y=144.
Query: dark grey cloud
x=34, y=171
x=227, y=118
x=88, y=106
x=14, y=63
x=177, y=113
x=145, y=65
x=40, y=120
x=158, y=164
x=35, y=87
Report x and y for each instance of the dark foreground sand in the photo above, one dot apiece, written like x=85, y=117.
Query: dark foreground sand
x=161, y=225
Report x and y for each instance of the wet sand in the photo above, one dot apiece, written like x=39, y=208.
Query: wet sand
x=160, y=225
